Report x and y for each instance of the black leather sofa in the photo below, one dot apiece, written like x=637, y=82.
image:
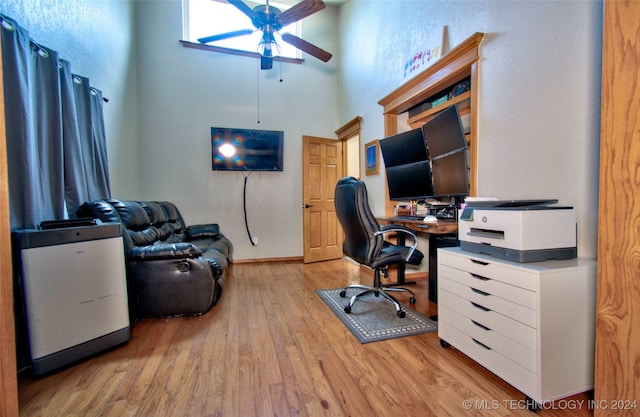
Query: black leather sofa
x=172, y=269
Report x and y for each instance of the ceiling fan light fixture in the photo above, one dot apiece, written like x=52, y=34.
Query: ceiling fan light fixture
x=270, y=20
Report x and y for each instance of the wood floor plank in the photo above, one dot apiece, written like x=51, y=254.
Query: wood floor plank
x=272, y=348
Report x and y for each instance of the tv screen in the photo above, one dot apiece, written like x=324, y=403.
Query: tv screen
x=444, y=133
x=407, y=166
x=246, y=149
x=450, y=174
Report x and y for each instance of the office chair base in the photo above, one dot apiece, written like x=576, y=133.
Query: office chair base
x=377, y=291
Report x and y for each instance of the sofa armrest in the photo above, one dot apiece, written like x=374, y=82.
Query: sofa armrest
x=171, y=287
x=199, y=231
x=164, y=251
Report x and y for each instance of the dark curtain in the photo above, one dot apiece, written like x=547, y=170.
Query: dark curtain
x=55, y=132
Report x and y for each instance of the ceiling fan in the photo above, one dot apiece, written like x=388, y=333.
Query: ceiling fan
x=269, y=20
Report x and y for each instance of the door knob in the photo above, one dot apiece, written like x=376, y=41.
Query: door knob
x=306, y=205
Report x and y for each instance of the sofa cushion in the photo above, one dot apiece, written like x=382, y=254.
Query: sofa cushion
x=136, y=222
x=203, y=231
x=175, y=223
x=165, y=251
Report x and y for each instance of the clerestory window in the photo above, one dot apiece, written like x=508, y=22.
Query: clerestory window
x=201, y=18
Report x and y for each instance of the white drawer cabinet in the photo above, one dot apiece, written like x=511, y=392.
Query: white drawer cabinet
x=532, y=324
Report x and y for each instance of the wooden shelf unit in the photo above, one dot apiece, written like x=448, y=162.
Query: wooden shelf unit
x=459, y=63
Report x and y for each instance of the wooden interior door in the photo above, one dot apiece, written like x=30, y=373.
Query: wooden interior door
x=322, y=167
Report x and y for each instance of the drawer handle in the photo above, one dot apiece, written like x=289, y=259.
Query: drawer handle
x=480, y=292
x=480, y=277
x=483, y=308
x=481, y=344
x=482, y=326
x=475, y=261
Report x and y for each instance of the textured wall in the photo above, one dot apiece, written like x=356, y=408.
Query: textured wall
x=184, y=92
x=539, y=90
x=538, y=114
x=97, y=38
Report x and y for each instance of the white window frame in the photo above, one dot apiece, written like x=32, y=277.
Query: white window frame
x=248, y=43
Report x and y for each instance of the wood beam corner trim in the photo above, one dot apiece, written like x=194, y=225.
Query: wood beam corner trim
x=350, y=128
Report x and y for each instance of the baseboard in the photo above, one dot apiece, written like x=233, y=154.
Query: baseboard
x=265, y=260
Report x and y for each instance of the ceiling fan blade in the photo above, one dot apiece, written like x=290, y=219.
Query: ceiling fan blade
x=307, y=47
x=300, y=11
x=226, y=35
x=244, y=9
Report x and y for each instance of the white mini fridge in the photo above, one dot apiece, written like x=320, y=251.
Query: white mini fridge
x=75, y=292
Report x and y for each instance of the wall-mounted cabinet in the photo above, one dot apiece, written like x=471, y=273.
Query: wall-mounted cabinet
x=458, y=65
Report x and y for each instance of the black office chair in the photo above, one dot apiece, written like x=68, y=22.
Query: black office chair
x=364, y=242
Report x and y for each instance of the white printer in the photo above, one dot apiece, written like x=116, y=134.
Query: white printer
x=519, y=230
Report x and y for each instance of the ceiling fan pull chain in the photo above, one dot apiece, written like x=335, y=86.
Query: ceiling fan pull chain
x=280, y=61
x=258, y=89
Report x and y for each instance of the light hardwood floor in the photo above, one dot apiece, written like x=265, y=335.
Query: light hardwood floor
x=271, y=347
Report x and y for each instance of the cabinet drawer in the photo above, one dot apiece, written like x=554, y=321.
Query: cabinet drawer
x=514, y=374
x=489, y=285
x=508, y=348
x=502, y=272
x=506, y=326
x=490, y=302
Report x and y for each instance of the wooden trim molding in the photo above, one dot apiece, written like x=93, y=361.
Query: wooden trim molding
x=617, y=313
x=299, y=259
x=349, y=129
x=238, y=52
x=436, y=77
x=8, y=371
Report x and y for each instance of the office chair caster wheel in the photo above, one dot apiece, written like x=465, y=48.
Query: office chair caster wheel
x=347, y=309
x=343, y=293
x=401, y=314
x=412, y=300
x=532, y=405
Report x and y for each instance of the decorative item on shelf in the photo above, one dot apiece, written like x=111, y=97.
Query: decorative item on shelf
x=439, y=101
x=461, y=87
x=373, y=162
x=415, y=110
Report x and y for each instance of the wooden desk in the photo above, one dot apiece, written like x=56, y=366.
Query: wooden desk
x=444, y=233
x=443, y=227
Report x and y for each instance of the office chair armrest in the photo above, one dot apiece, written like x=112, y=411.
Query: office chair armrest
x=396, y=228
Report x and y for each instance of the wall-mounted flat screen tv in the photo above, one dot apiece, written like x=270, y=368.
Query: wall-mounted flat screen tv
x=246, y=149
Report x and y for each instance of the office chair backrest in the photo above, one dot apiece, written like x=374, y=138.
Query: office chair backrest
x=359, y=225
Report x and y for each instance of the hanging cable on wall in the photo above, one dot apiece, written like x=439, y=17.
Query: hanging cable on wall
x=244, y=205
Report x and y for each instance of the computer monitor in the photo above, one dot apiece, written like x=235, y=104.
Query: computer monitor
x=450, y=174
x=410, y=181
x=444, y=133
x=407, y=166
x=403, y=148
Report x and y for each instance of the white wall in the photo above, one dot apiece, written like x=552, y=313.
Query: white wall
x=183, y=92
x=538, y=105
x=539, y=90
x=98, y=39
